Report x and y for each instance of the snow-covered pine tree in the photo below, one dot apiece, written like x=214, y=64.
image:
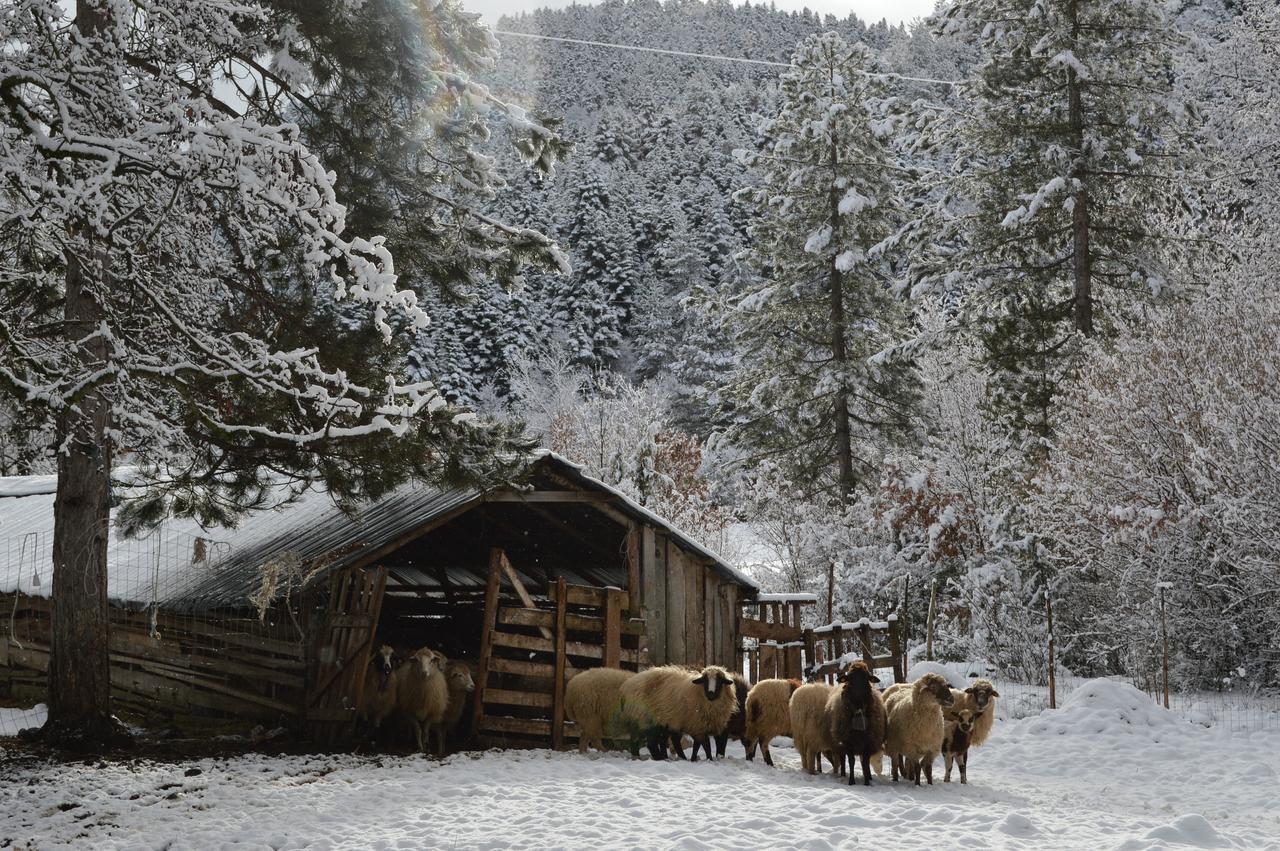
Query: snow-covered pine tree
x=1063, y=193
x=808, y=387
x=156, y=241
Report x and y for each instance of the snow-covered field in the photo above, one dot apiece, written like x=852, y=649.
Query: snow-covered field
x=1108, y=771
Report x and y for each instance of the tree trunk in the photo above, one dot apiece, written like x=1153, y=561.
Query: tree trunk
x=79, y=665
x=839, y=355
x=79, y=661
x=1082, y=290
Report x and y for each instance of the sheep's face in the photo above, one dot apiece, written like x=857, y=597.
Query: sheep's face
x=982, y=692
x=460, y=678
x=429, y=662
x=384, y=660
x=714, y=682
x=938, y=687
x=964, y=720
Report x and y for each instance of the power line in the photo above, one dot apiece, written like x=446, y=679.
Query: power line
x=715, y=56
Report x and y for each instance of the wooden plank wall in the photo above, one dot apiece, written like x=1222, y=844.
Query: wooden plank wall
x=653, y=571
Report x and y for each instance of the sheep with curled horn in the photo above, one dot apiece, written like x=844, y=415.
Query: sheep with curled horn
x=856, y=719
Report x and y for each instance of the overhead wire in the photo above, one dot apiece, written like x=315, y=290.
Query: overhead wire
x=713, y=56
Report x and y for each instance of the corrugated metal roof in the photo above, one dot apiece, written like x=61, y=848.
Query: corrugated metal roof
x=182, y=564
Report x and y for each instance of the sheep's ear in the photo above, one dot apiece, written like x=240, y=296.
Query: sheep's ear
x=700, y=680
x=970, y=690
x=995, y=693
x=873, y=678
x=842, y=677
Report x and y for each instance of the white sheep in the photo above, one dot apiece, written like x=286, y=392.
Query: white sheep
x=916, y=728
x=768, y=714
x=593, y=701
x=423, y=695
x=660, y=703
x=809, y=728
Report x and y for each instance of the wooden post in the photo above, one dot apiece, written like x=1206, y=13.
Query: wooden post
x=1053, y=683
x=753, y=663
x=1164, y=640
x=895, y=650
x=810, y=650
x=831, y=592
x=634, y=587
x=904, y=623
x=496, y=558
x=837, y=643
x=612, y=628
x=933, y=605
x=864, y=638
x=557, y=688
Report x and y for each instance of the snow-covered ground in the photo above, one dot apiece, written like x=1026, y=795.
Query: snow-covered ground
x=1107, y=771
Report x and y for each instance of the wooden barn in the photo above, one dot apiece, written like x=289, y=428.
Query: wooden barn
x=273, y=622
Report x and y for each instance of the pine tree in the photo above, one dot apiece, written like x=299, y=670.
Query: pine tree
x=1062, y=202
x=171, y=269
x=809, y=387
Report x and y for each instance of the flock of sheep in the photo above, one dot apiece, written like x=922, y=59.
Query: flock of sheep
x=426, y=691
x=911, y=723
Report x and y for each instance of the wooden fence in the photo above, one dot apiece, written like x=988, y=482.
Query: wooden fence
x=826, y=645
x=529, y=651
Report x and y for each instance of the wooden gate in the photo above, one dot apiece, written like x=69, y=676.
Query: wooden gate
x=529, y=651
x=826, y=645
x=339, y=652
x=773, y=637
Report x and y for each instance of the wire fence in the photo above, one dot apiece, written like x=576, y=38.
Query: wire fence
x=165, y=650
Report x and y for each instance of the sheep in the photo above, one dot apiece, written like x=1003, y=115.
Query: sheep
x=982, y=696
x=592, y=701
x=460, y=681
x=856, y=719
x=737, y=727
x=668, y=700
x=808, y=725
x=423, y=695
x=916, y=729
x=968, y=723
x=956, y=738
x=768, y=714
x=378, y=699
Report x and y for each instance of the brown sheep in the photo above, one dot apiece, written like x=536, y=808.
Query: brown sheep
x=593, y=701
x=915, y=731
x=663, y=702
x=460, y=680
x=956, y=738
x=768, y=714
x=423, y=696
x=808, y=725
x=737, y=727
x=378, y=699
x=968, y=724
x=856, y=719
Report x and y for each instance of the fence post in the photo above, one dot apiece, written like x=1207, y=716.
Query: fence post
x=831, y=591
x=933, y=604
x=558, y=667
x=1053, y=684
x=1164, y=640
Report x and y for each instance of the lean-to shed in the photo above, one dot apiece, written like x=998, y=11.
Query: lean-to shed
x=273, y=621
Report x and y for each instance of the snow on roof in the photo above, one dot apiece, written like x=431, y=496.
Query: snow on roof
x=182, y=563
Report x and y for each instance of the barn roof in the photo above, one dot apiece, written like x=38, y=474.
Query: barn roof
x=182, y=564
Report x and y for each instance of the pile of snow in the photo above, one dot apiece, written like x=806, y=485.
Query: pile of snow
x=948, y=672
x=12, y=721
x=1108, y=708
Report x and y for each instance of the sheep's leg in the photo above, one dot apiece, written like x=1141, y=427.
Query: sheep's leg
x=768, y=757
x=848, y=755
x=750, y=748
x=946, y=760
x=418, y=737
x=928, y=768
x=678, y=747
x=963, y=759
x=656, y=749
x=893, y=759
x=866, y=770
x=722, y=742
